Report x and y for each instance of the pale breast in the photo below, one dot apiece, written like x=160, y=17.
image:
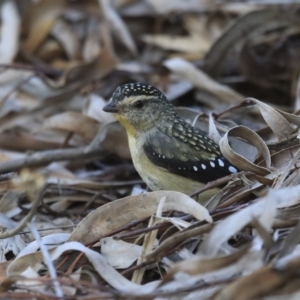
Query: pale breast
x=158, y=178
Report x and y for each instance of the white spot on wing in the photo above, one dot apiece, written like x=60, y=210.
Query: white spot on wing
x=203, y=166
x=195, y=168
x=232, y=169
x=212, y=164
x=221, y=163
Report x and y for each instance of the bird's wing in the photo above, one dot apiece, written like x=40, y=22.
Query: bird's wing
x=200, y=161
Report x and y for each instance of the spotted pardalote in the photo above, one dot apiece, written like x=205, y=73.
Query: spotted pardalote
x=167, y=152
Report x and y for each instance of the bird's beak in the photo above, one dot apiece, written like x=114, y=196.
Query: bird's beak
x=110, y=108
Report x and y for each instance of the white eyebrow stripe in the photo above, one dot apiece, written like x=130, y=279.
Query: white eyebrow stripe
x=132, y=99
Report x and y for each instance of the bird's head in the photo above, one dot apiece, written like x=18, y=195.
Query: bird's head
x=138, y=106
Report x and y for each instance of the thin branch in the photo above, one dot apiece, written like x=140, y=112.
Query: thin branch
x=42, y=158
x=174, y=240
x=44, y=69
x=136, y=232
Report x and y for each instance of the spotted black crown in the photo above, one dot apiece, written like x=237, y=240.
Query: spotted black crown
x=137, y=89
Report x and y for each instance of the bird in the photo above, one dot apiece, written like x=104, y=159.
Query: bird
x=167, y=152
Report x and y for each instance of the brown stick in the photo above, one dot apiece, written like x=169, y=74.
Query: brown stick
x=45, y=157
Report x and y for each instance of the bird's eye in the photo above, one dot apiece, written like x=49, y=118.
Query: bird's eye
x=139, y=104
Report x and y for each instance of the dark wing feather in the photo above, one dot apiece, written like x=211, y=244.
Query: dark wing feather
x=181, y=158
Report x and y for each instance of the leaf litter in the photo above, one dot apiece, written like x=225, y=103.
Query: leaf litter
x=76, y=220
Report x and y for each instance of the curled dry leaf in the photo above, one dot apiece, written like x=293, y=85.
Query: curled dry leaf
x=276, y=119
x=120, y=212
x=264, y=210
x=234, y=34
x=213, y=132
x=198, y=265
x=108, y=273
x=238, y=160
x=52, y=240
x=72, y=79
